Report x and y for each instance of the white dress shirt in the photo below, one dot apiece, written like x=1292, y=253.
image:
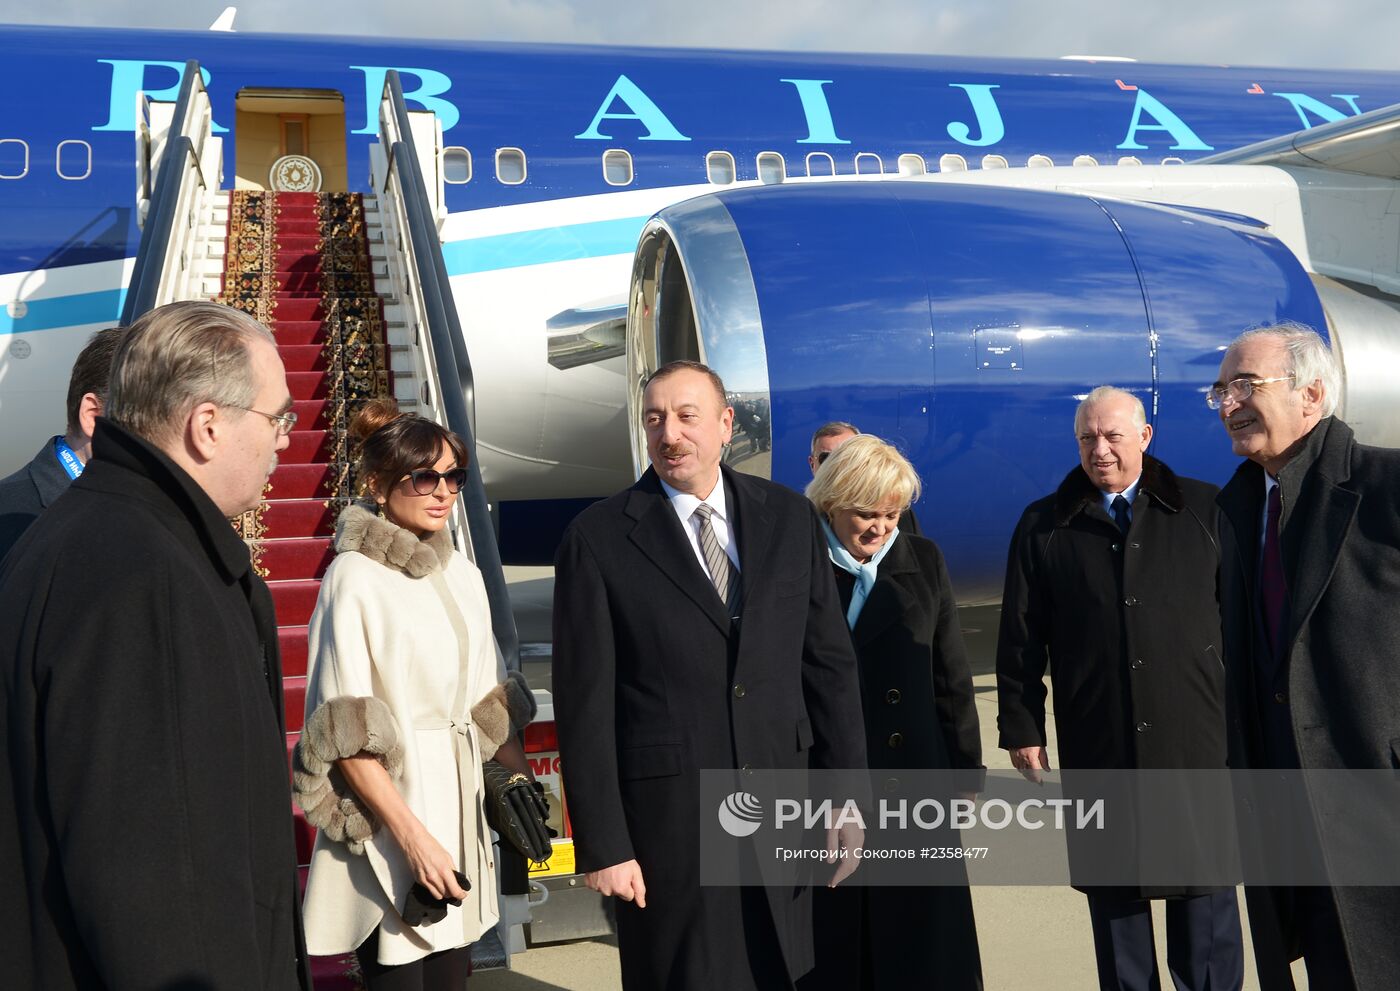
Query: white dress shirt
x=685, y=505
x=1130, y=493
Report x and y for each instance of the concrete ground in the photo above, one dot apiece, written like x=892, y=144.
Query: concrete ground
x=1030, y=937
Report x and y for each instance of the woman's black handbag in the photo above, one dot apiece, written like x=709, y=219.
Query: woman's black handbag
x=516, y=808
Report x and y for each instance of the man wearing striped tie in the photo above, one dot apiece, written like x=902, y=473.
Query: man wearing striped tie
x=654, y=681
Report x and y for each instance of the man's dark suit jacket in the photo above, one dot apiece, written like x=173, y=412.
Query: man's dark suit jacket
x=27, y=493
x=653, y=682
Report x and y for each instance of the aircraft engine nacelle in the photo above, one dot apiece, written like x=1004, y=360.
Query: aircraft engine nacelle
x=964, y=324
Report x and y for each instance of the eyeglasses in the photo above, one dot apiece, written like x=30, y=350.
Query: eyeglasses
x=284, y=422
x=425, y=480
x=1238, y=390
x=821, y=458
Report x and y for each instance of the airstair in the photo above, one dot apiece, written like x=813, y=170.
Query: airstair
x=355, y=292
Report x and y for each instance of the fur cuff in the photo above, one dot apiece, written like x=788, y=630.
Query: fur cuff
x=342, y=727
x=360, y=529
x=506, y=709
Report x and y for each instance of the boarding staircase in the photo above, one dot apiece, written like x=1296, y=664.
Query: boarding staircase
x=301, y=263
x=353, y=288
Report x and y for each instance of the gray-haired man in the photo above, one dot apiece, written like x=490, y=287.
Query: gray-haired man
x=145, y=838
x=1310, y=577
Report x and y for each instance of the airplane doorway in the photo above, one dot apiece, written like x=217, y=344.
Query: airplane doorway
x=291, y=139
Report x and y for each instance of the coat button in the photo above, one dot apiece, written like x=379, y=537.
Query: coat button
x=1138, y=664
x=1281, y=697
x=1117, y=547
x=746, y=768
x=1130, y=600
x=1135, y=545
x=896, y=740
x=891, y=785
x=892, y=696
x=739, y=691
x=1144, y=726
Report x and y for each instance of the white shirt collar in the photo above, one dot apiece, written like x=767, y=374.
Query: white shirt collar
x=1130, y=493
x=685, y=504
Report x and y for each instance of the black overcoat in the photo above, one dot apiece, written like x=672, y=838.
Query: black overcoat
x=1340, y=539
x=1129, y=626
x=653, y=683
x=920, y=713
x=27, y=493
x=145, y=835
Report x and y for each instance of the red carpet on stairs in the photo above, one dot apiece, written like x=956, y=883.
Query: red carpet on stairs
x=300, y=263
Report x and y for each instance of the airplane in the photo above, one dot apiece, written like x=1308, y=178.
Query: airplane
x=896, y=280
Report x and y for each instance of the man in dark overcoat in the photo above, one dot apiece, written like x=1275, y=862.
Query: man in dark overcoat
x=145, y=834
x=695, y=627
x=29, y=491
x=1310, y=579
x=1111, y=581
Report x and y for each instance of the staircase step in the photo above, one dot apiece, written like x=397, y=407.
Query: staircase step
x=308, y=447
x=302, y=357
x=299, y=333
x=291, y=306
x=295, y=557
x=309, y=385
x=293, y=702
x=292, y=642
x=294, y=600
x=298, y=517
x=304, y=482
x=312, y=414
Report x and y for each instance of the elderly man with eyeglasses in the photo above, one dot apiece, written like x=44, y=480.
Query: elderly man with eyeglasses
x=1310, y=580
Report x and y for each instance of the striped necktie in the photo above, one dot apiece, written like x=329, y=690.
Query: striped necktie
x=722, y=571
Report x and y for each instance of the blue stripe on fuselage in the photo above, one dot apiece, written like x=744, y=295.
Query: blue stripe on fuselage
x=549, y=244
x=104, y=306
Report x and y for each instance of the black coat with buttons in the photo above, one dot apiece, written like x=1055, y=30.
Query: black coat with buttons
x=1128, y=626
x=915, y=682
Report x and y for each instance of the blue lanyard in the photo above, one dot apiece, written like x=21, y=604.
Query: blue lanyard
x=67, y=458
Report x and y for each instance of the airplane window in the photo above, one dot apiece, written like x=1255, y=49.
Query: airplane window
x=868, y=163
x=510, y=166
x=617, y=167
x=771, y=167
x=1173, y=160
x=456, y=165
x=952, y=163
x=1085, y=160
x=994, y=161
x=1040, y=162
x=14, y=158
x=912, y=165
x=75, y=163
x=820, y=163
x=1129, y=160
x=719, y=168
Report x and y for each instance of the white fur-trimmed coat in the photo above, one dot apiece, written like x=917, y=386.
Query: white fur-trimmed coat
x=381, y=634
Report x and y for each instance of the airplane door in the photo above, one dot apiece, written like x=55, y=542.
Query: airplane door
x=290, y=139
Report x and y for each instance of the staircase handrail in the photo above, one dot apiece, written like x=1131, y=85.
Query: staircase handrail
x=445, y=340
x=180, y=168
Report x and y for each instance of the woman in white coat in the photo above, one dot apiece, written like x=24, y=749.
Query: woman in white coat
x=406, y=696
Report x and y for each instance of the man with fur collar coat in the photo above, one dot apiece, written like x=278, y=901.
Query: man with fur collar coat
x=1111, y=583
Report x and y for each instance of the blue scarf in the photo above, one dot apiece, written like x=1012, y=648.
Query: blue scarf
x=865, y=573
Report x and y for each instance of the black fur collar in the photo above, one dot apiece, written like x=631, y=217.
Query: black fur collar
x=1076, y=491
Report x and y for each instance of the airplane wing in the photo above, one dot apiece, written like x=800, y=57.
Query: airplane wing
x=1367, y=145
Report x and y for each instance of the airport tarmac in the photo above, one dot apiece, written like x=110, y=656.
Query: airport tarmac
x=1030, y=937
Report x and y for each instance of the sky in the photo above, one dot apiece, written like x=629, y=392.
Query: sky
x=1357, y=34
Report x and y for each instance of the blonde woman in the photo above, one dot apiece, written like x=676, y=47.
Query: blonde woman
x=916, y=688
x=405, y=697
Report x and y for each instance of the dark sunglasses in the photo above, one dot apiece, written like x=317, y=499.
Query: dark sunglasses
x=821, y=458
x=425, y=480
